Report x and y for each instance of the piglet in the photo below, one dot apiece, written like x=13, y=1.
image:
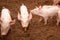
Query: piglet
x=24, y=17
x=5, y=21
x=45, y=12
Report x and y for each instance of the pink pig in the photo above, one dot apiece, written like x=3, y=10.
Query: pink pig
x=5, y=21
x=24, y=17
x=46, y=12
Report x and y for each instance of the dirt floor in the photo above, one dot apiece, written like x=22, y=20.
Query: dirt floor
x=37, y=30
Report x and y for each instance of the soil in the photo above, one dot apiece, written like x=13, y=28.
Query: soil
x=36, y=30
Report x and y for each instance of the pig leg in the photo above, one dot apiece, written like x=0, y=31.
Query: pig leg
x=40, y=19
x=58, y=18
x=57, y=22
x=45, y=20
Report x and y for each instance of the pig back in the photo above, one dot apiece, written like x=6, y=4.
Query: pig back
x=5, y=17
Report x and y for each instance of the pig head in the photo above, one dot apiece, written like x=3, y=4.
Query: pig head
x=24, y=17
x=5, y=21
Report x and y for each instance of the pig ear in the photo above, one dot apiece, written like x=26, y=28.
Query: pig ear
x=12, y=22
x=30, y=16
x=0, y=21
x=40, y=7
x=19, y=16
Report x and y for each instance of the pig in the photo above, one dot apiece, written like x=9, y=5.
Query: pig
x=24, y=17
x=5, y=21
x=55, y=2
x=45, y=12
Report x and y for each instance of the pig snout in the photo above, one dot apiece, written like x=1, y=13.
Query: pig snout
x=4, y=30
x=24, y=25
x=35, y=11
